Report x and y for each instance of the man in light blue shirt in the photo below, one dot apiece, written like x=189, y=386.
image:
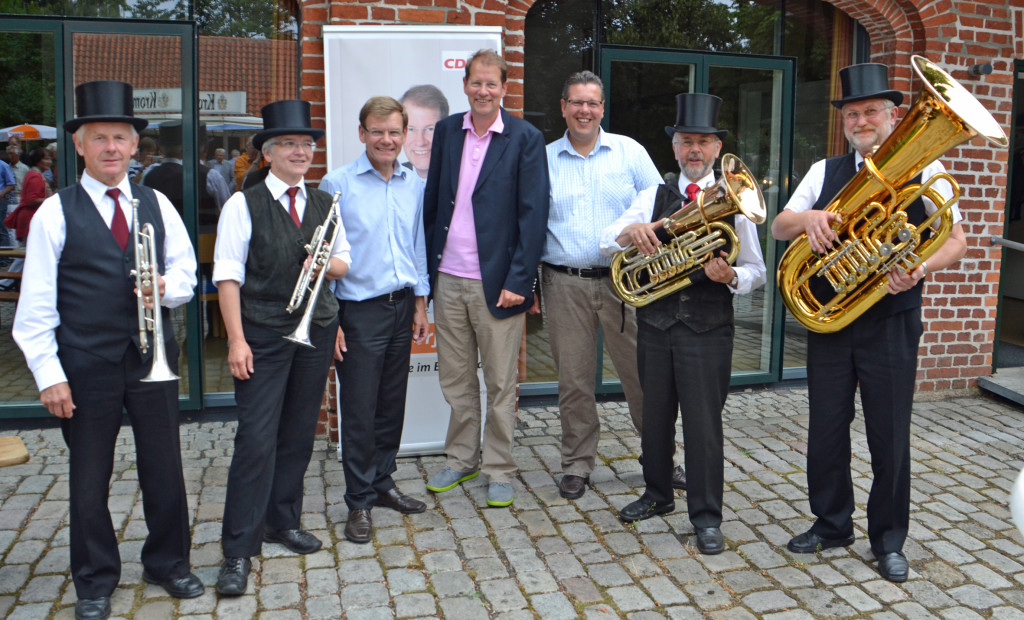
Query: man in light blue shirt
x=594, y=176
x=382, y=308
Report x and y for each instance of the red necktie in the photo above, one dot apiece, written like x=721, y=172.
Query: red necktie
x=119, y=225
x=291, y=206
x=691, y=192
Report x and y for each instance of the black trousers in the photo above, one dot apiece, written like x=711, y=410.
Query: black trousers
x=881, y=357
x=102, y=391
x=681, y=369
x=373, y=379
x=278, y=407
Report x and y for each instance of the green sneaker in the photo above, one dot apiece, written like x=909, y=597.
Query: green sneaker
x=447, y=479
x=499, y=494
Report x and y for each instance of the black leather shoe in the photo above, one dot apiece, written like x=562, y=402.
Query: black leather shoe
x=894, y=567
x=710, y=541
x=234, y=576
x=359, y=528
x=404, y=504
x=572, y=486
x=644, y=509
x=93, y=608
x=678, y=478
x=188, y=586
x=809, y=542
x=299, y=541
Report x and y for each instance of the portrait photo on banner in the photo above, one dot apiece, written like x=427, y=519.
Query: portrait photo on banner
x=421, y=66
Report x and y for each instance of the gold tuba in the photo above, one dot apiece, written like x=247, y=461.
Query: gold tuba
x=145, y=276
x=874, y=236
x=319, y=249
x=696, y=235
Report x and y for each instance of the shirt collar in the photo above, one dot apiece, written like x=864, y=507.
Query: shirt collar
x=95, y=189
x=363, y=165
x=565, y=145
x=706, y=180
x=278, y=187
x=498, y=126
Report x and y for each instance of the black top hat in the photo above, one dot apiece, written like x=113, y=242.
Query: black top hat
x=281, y=118
x=869, y=80
x=696, y=113
x=169, y=133
x=104, y=101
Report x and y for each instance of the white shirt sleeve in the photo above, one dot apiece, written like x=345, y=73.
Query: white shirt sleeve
x=749, y=267
x=36, y=318
x=807, y=191
x=234, y=230
x=179, y=257
x=639, y=211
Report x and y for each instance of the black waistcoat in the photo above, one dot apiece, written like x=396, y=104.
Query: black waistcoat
x=702, y=306
x=838, y=172
x=276, y=253
x=95, y=299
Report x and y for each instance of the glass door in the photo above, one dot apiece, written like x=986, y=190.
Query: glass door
x=30, y=77
x=158, y=60
x=757, y=110
x=42, y=60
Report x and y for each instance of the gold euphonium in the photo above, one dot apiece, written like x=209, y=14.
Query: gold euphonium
x=146, y=263
x=696, y=234
x=319, y=255
x=874, y=236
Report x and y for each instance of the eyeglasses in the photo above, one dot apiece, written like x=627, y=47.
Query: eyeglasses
x=377, y=134
x=292, y=145
x=579, y=103
x=703, y=143
x=871, y=114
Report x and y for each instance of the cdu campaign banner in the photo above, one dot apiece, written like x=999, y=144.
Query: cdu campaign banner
x=363, y=61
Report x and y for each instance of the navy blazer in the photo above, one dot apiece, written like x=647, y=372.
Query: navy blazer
x=510, y=206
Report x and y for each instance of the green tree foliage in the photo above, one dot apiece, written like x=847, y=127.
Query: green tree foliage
x=27, y=75
x=682, y=24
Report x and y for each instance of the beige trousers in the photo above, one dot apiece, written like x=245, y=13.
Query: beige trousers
x=466, y=332
x=574, y=308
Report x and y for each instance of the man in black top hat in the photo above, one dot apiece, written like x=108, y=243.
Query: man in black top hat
x=684, y=340
x=279, y=384
x=77, y=323
x=877, y=351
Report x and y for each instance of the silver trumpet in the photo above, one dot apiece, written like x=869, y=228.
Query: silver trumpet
x=319, y=249
x=149, y=320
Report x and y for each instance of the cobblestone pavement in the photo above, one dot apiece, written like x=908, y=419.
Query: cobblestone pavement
x=547, y=557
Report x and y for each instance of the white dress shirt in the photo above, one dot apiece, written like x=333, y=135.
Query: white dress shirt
x=37, y=317
x=234, y=230
x=749, y=266
x=807, y=192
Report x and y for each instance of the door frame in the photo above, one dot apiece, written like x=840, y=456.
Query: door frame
x=700, y=77
x=63, y=41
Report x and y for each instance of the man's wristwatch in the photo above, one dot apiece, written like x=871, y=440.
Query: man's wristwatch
x=735, y=281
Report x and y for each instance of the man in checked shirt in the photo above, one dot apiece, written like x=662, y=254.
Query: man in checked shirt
x=595, y=175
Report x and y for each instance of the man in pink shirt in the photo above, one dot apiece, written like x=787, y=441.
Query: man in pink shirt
x=485, y=211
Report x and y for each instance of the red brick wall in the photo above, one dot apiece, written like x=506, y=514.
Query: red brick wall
x=960, y=303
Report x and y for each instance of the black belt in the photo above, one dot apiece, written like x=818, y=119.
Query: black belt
x=587, y=273
x=391, y=297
